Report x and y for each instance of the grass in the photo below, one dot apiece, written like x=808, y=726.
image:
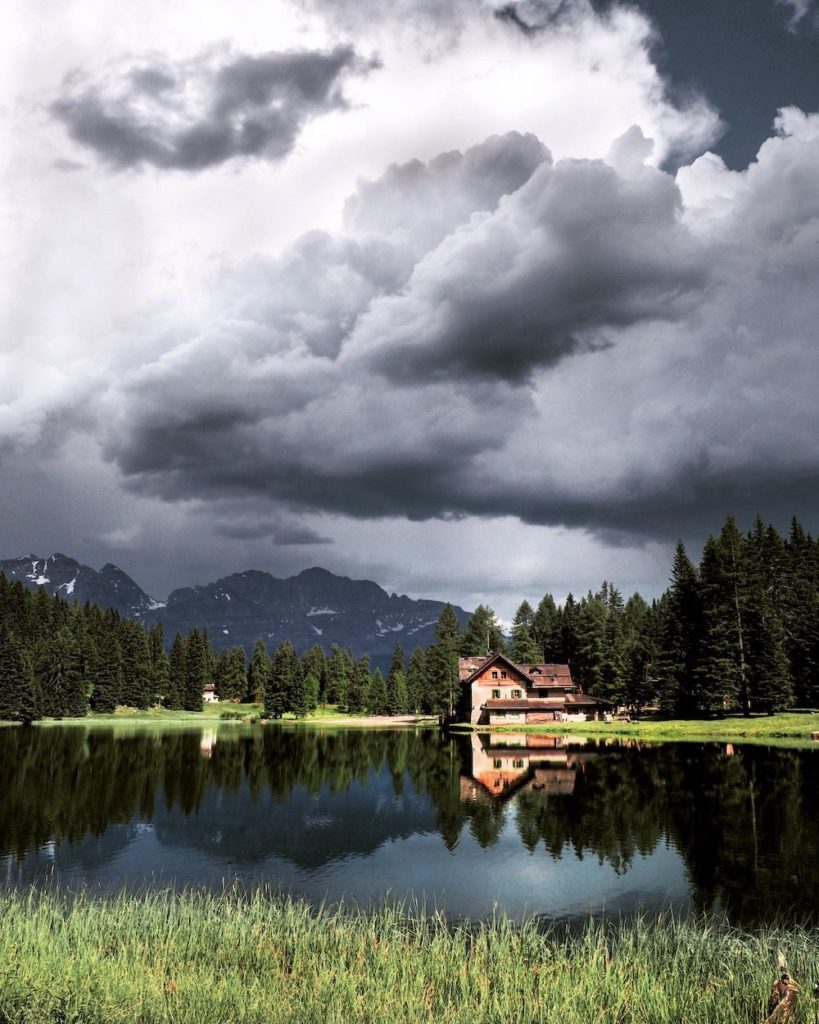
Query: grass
x=211, y=713
x=199, y=959
x=785, y=726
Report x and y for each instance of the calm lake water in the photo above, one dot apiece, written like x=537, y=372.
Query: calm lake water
x=530, y=825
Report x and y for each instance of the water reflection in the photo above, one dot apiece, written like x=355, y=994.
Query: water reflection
x=549, y=825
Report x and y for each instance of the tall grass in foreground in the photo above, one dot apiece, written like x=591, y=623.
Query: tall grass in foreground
x=200, y=959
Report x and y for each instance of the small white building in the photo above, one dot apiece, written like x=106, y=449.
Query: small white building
x=209, y=694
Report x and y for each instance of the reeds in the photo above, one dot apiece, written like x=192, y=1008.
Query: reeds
x=198, y=958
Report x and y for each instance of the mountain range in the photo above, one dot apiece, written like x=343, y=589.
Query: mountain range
x=312, y=607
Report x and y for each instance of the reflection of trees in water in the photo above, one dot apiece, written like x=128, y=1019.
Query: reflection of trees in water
x=744, y=820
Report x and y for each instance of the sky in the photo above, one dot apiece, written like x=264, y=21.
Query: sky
x=475, y=298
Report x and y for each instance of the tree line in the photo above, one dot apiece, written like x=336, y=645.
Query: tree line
x=739, y=631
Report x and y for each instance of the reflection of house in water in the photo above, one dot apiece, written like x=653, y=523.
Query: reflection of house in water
x=207, y=742
x=503, y=764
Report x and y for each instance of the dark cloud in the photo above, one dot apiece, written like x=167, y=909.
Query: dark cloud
x=206, y=111
x=577, y=250
x=583, y=350
x=313, y=294
x=282, y=534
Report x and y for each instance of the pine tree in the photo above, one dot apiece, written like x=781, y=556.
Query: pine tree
x=160, y=665
x=285, y=677
x=258, y=674
x=394, y=703
x=136, y=665
x=311, y=691
x=442, y=663
x=197, y=670
x=59, y=677
x=358, y=690
x=231, y=683
x=105, y=695
x=523, y=647
x=17, y=698
x=174, y=697
x=417, y=682
x=400, y=693
x=377, y=697
x=545, y=630
x=483, y=634
x=340, y=671
x=314, y=663
x=770, y=681
x=681, y=634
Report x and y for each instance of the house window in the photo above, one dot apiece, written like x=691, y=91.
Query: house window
x=517, y=763
x=495, y=694
x=497, y=763
x=503, y=675
x=494, y=675
x=517, y=693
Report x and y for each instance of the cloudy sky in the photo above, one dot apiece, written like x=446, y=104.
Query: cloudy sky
x=474, y=298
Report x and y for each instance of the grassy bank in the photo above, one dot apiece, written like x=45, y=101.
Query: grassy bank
x=785, y=726
x=212, y=713
x=201, y=959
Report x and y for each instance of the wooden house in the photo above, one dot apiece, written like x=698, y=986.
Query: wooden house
x=496, y=691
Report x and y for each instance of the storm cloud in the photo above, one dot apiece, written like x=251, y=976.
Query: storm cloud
x=203, y=112
x=584, y=343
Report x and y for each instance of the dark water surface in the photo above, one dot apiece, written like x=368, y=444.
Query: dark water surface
x=530, y=825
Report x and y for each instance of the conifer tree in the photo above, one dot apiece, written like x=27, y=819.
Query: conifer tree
x=394, y=704
x=197, y=670
x=340, y=672
x=160, y=664
x=174, y=697
x=284, y=683
x=400, y=694
x=106, y=694
x=311, y=691
x=417, y=682
x=680, y=640
x=545, y=630
x=314, y=663
x=442, y=663
x=137, y=674
x=258, y=674
x=232, y=678
x=17, y=698
x=359, y=687
x=523, y=647
x=483, y=634
x=59, y=677
x=377, y=697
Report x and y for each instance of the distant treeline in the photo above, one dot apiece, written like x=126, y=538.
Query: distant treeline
x=738, y=632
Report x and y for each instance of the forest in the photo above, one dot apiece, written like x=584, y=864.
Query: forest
x=739, y=632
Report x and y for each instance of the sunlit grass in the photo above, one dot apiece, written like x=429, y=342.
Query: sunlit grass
x=785, y=726
x=200, y=959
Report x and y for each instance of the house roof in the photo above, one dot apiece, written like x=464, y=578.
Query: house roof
x=469, y=668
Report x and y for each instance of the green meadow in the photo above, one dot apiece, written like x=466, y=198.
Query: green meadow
x=199, y=959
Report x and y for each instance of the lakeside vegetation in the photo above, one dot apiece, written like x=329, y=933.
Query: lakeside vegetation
x=198, y=958
x=783, y=726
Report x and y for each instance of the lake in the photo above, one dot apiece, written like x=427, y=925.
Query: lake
x=540, y=825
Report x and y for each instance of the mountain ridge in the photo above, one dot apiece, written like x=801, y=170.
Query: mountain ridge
x=312, y=606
